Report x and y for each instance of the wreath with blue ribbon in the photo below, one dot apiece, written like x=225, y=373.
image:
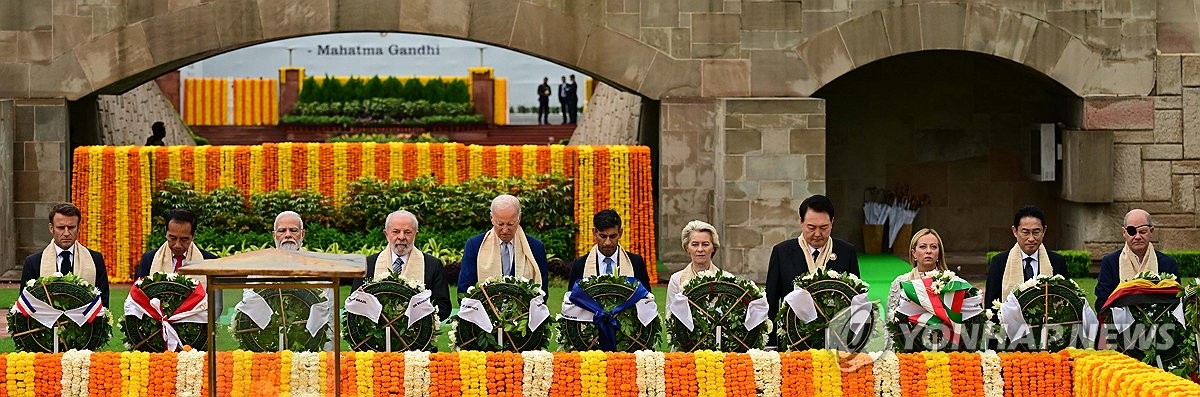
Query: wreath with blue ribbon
x=615, y=326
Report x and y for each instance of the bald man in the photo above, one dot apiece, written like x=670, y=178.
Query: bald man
x=1138, y=255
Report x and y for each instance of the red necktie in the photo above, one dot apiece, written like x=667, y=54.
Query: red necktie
x=178, y=262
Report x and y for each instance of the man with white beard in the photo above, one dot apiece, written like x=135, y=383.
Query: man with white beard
x=288, y=231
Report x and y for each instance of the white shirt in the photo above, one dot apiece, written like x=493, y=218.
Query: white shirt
x=58, y=260
x=1033, y=263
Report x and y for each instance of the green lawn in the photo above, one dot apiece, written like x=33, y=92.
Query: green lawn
x=226, y=342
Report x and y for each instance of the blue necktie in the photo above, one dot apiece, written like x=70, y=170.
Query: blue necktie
x=506, y=259
x=397, y=265
x=608, y=266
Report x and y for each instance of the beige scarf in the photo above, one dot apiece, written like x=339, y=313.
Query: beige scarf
x=1014, y=269
x=822, y=259
x=413, y=269
x=81, y=261
x=1127, y=256
x=624, y=265
x=164, y=261
x=489, y=263
x=689, y=272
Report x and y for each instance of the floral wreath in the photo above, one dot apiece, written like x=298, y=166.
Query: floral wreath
x=506, y=300
x=610, y=292
x=1155, y=299
x=1052, y=307
x=291, y=307
x=719, y=302
x=1190, y=299
x=929, y=331
x=831, y=295
x=146, y=333
x=66, y=294
x=394, y=293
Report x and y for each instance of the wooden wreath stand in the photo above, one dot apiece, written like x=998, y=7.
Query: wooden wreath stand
x=275, y=268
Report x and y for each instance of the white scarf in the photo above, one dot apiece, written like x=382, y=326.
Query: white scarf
x=413, y=269
x=1014, y=268
x=822, y=259
x=164, y=261
x=624, y=265
x=489, y=262
x=1150, y=264
x=81, y=262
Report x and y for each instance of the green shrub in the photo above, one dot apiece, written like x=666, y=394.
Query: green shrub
x=385, y=138
x=1188, y=261
x=361, y=88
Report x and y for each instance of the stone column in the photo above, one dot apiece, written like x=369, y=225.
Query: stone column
x=483, y=93
x=771, y=153
x=289, y=89
x=169, y=84
x=8, y=261
x=687, y=174
x=41, y=169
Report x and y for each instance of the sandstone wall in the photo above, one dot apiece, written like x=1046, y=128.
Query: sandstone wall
x=612, y=118
x=125, y=119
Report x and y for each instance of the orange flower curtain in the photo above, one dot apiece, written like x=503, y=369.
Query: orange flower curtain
x=591, y=373
x=223, y=101
x=114, y=186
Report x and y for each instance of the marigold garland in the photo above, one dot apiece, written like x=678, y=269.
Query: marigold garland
x=621, y=374
x=567, y=379
x=592, y=374
x=739, y=375
x=473, y=370
x=680, y=374
x=797, y=371
x=445, y=374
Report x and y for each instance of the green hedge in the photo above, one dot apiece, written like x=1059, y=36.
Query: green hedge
x=448, y=214
x=333, y=90
x=385, y=138
x=1188, y=260
x=1079, y=262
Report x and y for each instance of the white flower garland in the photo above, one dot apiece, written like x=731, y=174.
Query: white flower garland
x=539, y=372
x=189, y=373
x=768, y=370
x=416, y=373
x=886, y=370
x=650, y=375
x=993, y=380
x=306, y=374
x=75, y=372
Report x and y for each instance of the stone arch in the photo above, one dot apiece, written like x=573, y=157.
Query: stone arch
x=153, y=42
x=974, y=27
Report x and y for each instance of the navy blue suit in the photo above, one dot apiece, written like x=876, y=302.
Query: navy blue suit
x=1110, y=274
x=468, y=275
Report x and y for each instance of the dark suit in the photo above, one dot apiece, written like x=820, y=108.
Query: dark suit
x=143, y=268
x=435, y=282
x=995, y=279
x=787, y=263
x=639, y=269
x=1110, y=274
x=468, y=275
x=33, y=265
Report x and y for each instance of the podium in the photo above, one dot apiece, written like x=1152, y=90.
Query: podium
x=275, y=268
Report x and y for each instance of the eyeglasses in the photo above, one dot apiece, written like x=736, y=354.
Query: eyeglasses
x=1025, y=233
x=1135, y=230
x=286, y=230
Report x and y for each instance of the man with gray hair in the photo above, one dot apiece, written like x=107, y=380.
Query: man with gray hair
x=505, y=250
x=288, y=231
x=402, y=258
x=1137, y=256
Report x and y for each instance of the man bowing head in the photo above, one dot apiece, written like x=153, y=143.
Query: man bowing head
x=402, y=258
x=1137, y=256
x=65, y=254
x=505, y=250
x=607, y=256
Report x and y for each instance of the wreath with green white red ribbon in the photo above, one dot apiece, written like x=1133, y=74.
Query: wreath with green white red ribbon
x=167, y=298
x=288, y=325
x=393, y=328
x=824, y=297
x=938, y=312
x=502, y=314
x=717, y=305
x=622, y=295
x=64, y=304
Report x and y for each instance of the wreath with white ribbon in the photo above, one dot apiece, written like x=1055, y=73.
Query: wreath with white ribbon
x=717, y=311
x=37, y=324
x=276, y=319
x=502, y=314
x=938, y=312
x=1046, y=313
x=390, y=314
x=609, y=313
x=821, y=299
x=165, y=312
